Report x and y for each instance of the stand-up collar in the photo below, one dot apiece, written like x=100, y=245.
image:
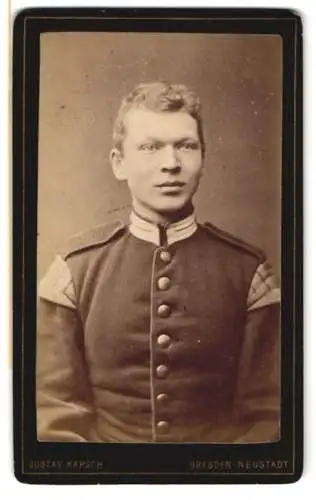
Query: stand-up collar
x=162, y=234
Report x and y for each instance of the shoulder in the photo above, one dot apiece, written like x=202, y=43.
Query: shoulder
x=94, y=237
x=228, y=240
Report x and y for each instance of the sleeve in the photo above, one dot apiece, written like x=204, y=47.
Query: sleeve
x=258, y=395
x=64, y=403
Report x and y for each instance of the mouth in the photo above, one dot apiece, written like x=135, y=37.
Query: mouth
x=174, y=184
x=174, y=188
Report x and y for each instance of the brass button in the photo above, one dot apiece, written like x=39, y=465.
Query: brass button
x=162, y=397
x=165, y=256
x=162, y=371
x=164, y=283
x=164, y=340
x=163, y=426
x=164, y=311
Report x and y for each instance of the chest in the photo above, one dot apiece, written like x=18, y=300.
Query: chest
x=183, y=299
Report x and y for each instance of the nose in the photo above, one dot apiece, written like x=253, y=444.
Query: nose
x=171, y=161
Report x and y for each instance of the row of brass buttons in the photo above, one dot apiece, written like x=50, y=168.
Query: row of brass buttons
x=163, y=283
x=163, y=340
x=162, y=425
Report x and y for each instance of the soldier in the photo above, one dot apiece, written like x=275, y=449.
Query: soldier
x=162, y=330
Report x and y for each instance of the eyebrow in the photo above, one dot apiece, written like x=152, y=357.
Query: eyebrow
x=187, y=139
x=178, y=141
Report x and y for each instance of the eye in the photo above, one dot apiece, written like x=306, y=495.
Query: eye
x=149, y=147
x=189, y=146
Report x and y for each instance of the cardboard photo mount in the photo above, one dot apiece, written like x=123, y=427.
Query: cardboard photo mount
x=280, y=461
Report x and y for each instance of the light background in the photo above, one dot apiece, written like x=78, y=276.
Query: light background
x=83, y=78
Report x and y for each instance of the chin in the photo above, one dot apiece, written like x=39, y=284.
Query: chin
x=171, y=208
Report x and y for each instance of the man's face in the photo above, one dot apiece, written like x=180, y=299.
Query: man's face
x=161, y=160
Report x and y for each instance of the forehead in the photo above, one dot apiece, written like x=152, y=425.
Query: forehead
x=142, y=123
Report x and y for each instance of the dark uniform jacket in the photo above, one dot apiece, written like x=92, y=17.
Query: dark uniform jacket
x=164, y=334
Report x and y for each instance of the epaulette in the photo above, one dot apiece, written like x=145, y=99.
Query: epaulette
x=94, y=237
x=235, y=242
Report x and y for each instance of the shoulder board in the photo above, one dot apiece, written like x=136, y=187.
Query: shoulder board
x=97, y=236
x=235, y=242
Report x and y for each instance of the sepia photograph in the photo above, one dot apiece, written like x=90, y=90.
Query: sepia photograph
x=159, y=238
x=158, y=325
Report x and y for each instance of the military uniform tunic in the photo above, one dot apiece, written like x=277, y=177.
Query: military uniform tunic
x=158, y=334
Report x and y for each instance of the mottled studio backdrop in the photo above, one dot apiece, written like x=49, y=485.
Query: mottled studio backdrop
x=82, y=80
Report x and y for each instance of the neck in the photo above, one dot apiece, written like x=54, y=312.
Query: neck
x=162, y=234
x=163, y=218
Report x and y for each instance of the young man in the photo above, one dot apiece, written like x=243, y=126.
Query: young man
x=163, y=330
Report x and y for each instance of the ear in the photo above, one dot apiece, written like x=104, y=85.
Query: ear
x=118, y=164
